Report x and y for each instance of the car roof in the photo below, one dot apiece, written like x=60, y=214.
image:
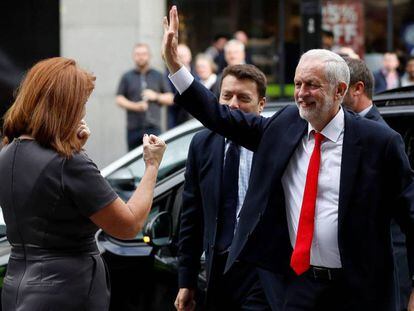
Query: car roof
x=403, y=96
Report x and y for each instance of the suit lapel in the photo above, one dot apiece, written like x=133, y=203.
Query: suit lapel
x=351, y=152
x=292, y=137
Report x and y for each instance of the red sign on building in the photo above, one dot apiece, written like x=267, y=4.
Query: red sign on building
x=346, y=20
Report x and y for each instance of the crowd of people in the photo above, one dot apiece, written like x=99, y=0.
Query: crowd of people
x=143, y=90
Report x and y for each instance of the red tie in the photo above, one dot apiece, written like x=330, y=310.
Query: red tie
x=300, y=260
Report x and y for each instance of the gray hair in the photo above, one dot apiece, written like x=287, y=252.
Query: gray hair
x=234, y=42
x=335, y=67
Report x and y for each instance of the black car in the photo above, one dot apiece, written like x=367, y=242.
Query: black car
x=144, y=270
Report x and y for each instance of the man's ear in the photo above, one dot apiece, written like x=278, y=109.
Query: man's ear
x=262, y=103
x=359, y=88
x=341, y=90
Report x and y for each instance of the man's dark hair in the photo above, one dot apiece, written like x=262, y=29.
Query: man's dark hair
x=247, y=72
x=360, y=72
x=327, y=33
x=220, y=35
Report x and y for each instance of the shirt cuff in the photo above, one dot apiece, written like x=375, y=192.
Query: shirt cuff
x=181, y=79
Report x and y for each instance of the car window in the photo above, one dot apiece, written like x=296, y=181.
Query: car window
x=174, y=159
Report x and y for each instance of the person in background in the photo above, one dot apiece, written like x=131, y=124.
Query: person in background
x=217, y=47
x=234, y=53
x=205, y=69
x=358, y=98
x=387, y=77
x=408, y=77
x=176, y=114
x=345, y=51
x=216, y=50
x=244, y=38
x=141, y=92
x=54, y=198
x=328, y=39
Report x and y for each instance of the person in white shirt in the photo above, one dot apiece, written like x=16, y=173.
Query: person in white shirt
x=205, y=68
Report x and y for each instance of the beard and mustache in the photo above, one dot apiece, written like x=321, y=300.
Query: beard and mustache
x=315, y=110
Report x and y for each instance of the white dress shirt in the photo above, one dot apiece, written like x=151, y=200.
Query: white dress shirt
x=324, y=250
x=181, y=79
x=245, y=166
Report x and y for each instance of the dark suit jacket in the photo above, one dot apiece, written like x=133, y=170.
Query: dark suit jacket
x=374, y=114
x=376, y=184
x=201, y=199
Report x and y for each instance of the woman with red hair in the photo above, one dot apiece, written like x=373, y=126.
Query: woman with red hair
x=54, y=198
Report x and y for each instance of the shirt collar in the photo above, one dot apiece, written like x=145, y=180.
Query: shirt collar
x=333, y=129
x=364, y=112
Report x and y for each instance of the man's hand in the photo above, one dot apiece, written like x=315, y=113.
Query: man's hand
x=411, y=302
x=149, y=95
x=83, y=132
x=141, y=106
x=170, y=41
x=185, y=300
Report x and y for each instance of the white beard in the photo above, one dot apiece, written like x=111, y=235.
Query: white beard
x=314, y=113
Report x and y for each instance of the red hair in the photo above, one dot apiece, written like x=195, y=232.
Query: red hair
x=50, y=104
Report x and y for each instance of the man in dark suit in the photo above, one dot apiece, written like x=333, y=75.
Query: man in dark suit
x=205, y=207
x=323, y=189
x=359, y=100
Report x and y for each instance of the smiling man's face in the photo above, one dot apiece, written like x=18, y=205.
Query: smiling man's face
x=314, y=96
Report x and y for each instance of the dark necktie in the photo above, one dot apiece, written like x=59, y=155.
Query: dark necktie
x=229, y=197
x=300, y=260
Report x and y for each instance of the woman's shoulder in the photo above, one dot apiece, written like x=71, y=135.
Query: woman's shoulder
x=30, y=150
x=78, y=161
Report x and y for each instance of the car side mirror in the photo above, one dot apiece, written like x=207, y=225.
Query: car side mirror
x=122, y=179
x=158, y=231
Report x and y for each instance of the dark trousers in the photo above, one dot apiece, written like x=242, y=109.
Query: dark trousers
x=134, y=137
x=274, y=286
x=304, y=293
x=238, y=289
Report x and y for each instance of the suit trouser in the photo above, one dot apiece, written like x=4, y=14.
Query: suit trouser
x=305, y=293
x=310, y=292
x=238, y=289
